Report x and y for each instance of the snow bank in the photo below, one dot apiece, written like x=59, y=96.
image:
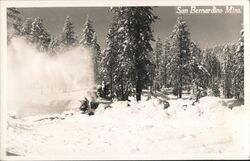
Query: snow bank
x=141, y=129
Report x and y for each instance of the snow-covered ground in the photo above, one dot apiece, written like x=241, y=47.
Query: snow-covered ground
x=141, y=129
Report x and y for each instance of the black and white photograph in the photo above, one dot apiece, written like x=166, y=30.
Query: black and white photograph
x=124, y=80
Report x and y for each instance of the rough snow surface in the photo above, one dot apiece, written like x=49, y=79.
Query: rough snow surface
x=141, y=129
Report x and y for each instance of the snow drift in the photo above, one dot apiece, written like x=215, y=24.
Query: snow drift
x=143, y=130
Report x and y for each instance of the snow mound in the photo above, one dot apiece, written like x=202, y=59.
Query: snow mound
x=134, y=128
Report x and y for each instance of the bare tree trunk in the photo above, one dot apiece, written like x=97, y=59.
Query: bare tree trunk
x=138, y=89
x=122, y=90
x=111, y=85
x=180, y=88
x=165, y=77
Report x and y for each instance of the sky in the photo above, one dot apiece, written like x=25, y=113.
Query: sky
x=206, y=29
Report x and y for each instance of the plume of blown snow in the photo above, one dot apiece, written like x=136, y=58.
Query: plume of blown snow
x=31, y=73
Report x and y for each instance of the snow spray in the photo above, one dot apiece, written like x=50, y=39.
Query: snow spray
x=32, y=74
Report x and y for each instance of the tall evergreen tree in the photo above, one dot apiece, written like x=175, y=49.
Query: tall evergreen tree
x=165, y=64
x=53, y=47
x=68, y=38
x=26, y=27
x=87, y=34
x=109, y=61
x=97, y=58
x=199, y=73
x=122, y=84
x=180, y=61
x=151, y=73
x=89, y=40
x=14, y=23
x=143, y=20
x=158, y=53
x=239, y=67
x=39, y=35
x=135, y=34
x=213, y=66
x=227, y=70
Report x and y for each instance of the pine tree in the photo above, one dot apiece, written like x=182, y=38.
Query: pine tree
x=213, y=66
x=87, y=34
x=135, y=34
x=89, y=40
x=68, y=38
x=227, y=70
x=108, y=62
x=151, y=72
x=158, y=53
x=14, y=23
x=199, y=73
x=165, y=64
x=53, y=47
x=239, y=67
x=180, y=60
x=216, y=89
x=122, y=83
x=26, y=27
x=39, y=35
x=97, y=58
x=143, y=20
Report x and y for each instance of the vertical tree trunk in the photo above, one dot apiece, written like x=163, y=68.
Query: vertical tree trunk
x=122, y=90
x=151, y=80
x=180, y=88
x=165, y=77
x=198, y=93
x=111, y=85
x=111, y=88
x=138, y=90
x=180, y=92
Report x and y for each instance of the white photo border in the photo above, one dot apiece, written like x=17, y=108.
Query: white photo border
x=108, y=3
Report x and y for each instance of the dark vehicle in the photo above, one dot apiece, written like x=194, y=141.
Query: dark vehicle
x=88, y=107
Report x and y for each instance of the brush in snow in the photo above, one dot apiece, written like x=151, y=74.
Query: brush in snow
x=238, y=102
x=11, y=154
x=128, y=102
x=148, y=98
x=107, y=107
x=166, y=104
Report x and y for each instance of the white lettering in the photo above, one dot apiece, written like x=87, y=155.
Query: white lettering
x=181, y=11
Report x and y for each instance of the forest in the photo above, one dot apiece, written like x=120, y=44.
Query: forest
x=135, y=59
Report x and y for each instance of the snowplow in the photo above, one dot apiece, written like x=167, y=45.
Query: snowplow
x=88, y=107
